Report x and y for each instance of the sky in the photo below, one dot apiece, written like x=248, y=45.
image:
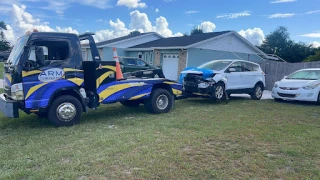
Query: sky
x=253, y=19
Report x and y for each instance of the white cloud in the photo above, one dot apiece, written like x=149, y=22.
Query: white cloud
x=139, y=22
x=23, y=21
x=234, y=15
x=279, y=15
x=255, y=35
x=178, y=34
x=191, y=12
x=162, y=27
x=313, y=12
x=282, y=1
x=157, y=10
x=207, y=26
x=131, y=3
x=59, y=6
x=312, y=35
x=315, y=44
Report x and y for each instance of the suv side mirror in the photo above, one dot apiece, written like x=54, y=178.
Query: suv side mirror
x=232, y=70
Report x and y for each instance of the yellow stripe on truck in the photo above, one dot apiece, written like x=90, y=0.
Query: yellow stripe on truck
x=77, y=81
x=103, y=77
x=139, y=96
x=25, y=73
x=33, y=89
x=116, y=88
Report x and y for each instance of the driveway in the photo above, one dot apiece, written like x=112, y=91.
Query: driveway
x=266, y=95
x=1, y=83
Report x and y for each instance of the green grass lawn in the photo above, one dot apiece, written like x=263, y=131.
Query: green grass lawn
x=198, y=139
x=1, y=75
x=1, y=70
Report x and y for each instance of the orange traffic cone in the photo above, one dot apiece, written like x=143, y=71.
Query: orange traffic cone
x=118, y=69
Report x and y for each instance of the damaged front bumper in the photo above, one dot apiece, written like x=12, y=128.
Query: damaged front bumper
x=8, y=107
x=196, y=86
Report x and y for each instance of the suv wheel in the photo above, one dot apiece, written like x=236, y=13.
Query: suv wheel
x=257, y=92
x=219, y=91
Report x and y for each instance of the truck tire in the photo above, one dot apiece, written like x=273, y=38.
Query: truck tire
x=65, y=111
x=160, y=101
x=132, y=103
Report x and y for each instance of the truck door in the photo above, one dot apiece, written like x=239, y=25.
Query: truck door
x=49, y=67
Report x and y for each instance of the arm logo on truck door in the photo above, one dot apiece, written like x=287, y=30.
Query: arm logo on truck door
x=50, y=75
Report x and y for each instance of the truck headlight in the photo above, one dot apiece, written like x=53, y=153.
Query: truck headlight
x=311, y=86
x=17, y=92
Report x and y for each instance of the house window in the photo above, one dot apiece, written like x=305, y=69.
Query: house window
x=140, y=55
x=151, y=58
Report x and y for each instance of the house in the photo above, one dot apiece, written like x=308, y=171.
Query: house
x=121, y=43
x=174, y=54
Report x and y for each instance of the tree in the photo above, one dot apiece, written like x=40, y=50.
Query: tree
x=135, y=32
x=196, y=30
x=4, y=45
x=315, y=57
x=279, y=43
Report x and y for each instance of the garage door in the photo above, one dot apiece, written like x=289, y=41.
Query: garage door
x=170, y=66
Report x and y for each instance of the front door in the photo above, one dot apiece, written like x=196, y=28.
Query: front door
x=170, y=66
x=45, y=73
x=234, y=79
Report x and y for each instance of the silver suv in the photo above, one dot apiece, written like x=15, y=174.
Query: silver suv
x=217, y=78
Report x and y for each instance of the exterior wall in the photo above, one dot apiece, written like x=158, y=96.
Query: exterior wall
x=182, y=58
x=197, y=57
x=147, y=56
x=135, y=41
x=228, y=43
x=107, y=53
x=157, y=58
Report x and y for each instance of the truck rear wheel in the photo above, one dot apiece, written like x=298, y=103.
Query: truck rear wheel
x=160, y=101
x=65, y=111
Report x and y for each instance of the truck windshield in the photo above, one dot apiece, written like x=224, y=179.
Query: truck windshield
x=215, y=65
x=17, y=50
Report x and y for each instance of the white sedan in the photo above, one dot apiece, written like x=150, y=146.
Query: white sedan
x=302, y=85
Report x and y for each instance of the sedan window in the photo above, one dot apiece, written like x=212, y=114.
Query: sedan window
x=131, y=62
x=141, y=63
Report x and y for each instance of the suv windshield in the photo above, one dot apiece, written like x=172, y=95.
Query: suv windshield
x=215, y=65
x=305, y=75
x=17, y=50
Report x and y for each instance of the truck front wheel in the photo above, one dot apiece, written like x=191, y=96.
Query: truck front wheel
x=160, y=101
x=65, y=111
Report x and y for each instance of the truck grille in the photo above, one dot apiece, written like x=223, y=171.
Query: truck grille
x=287, y=95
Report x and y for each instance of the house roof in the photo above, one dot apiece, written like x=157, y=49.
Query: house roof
x=181, y=41
x=123, y=38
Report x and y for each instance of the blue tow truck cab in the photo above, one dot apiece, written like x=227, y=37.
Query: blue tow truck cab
x=45, y=74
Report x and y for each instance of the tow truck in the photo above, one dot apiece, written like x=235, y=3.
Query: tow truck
x=47, y=75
